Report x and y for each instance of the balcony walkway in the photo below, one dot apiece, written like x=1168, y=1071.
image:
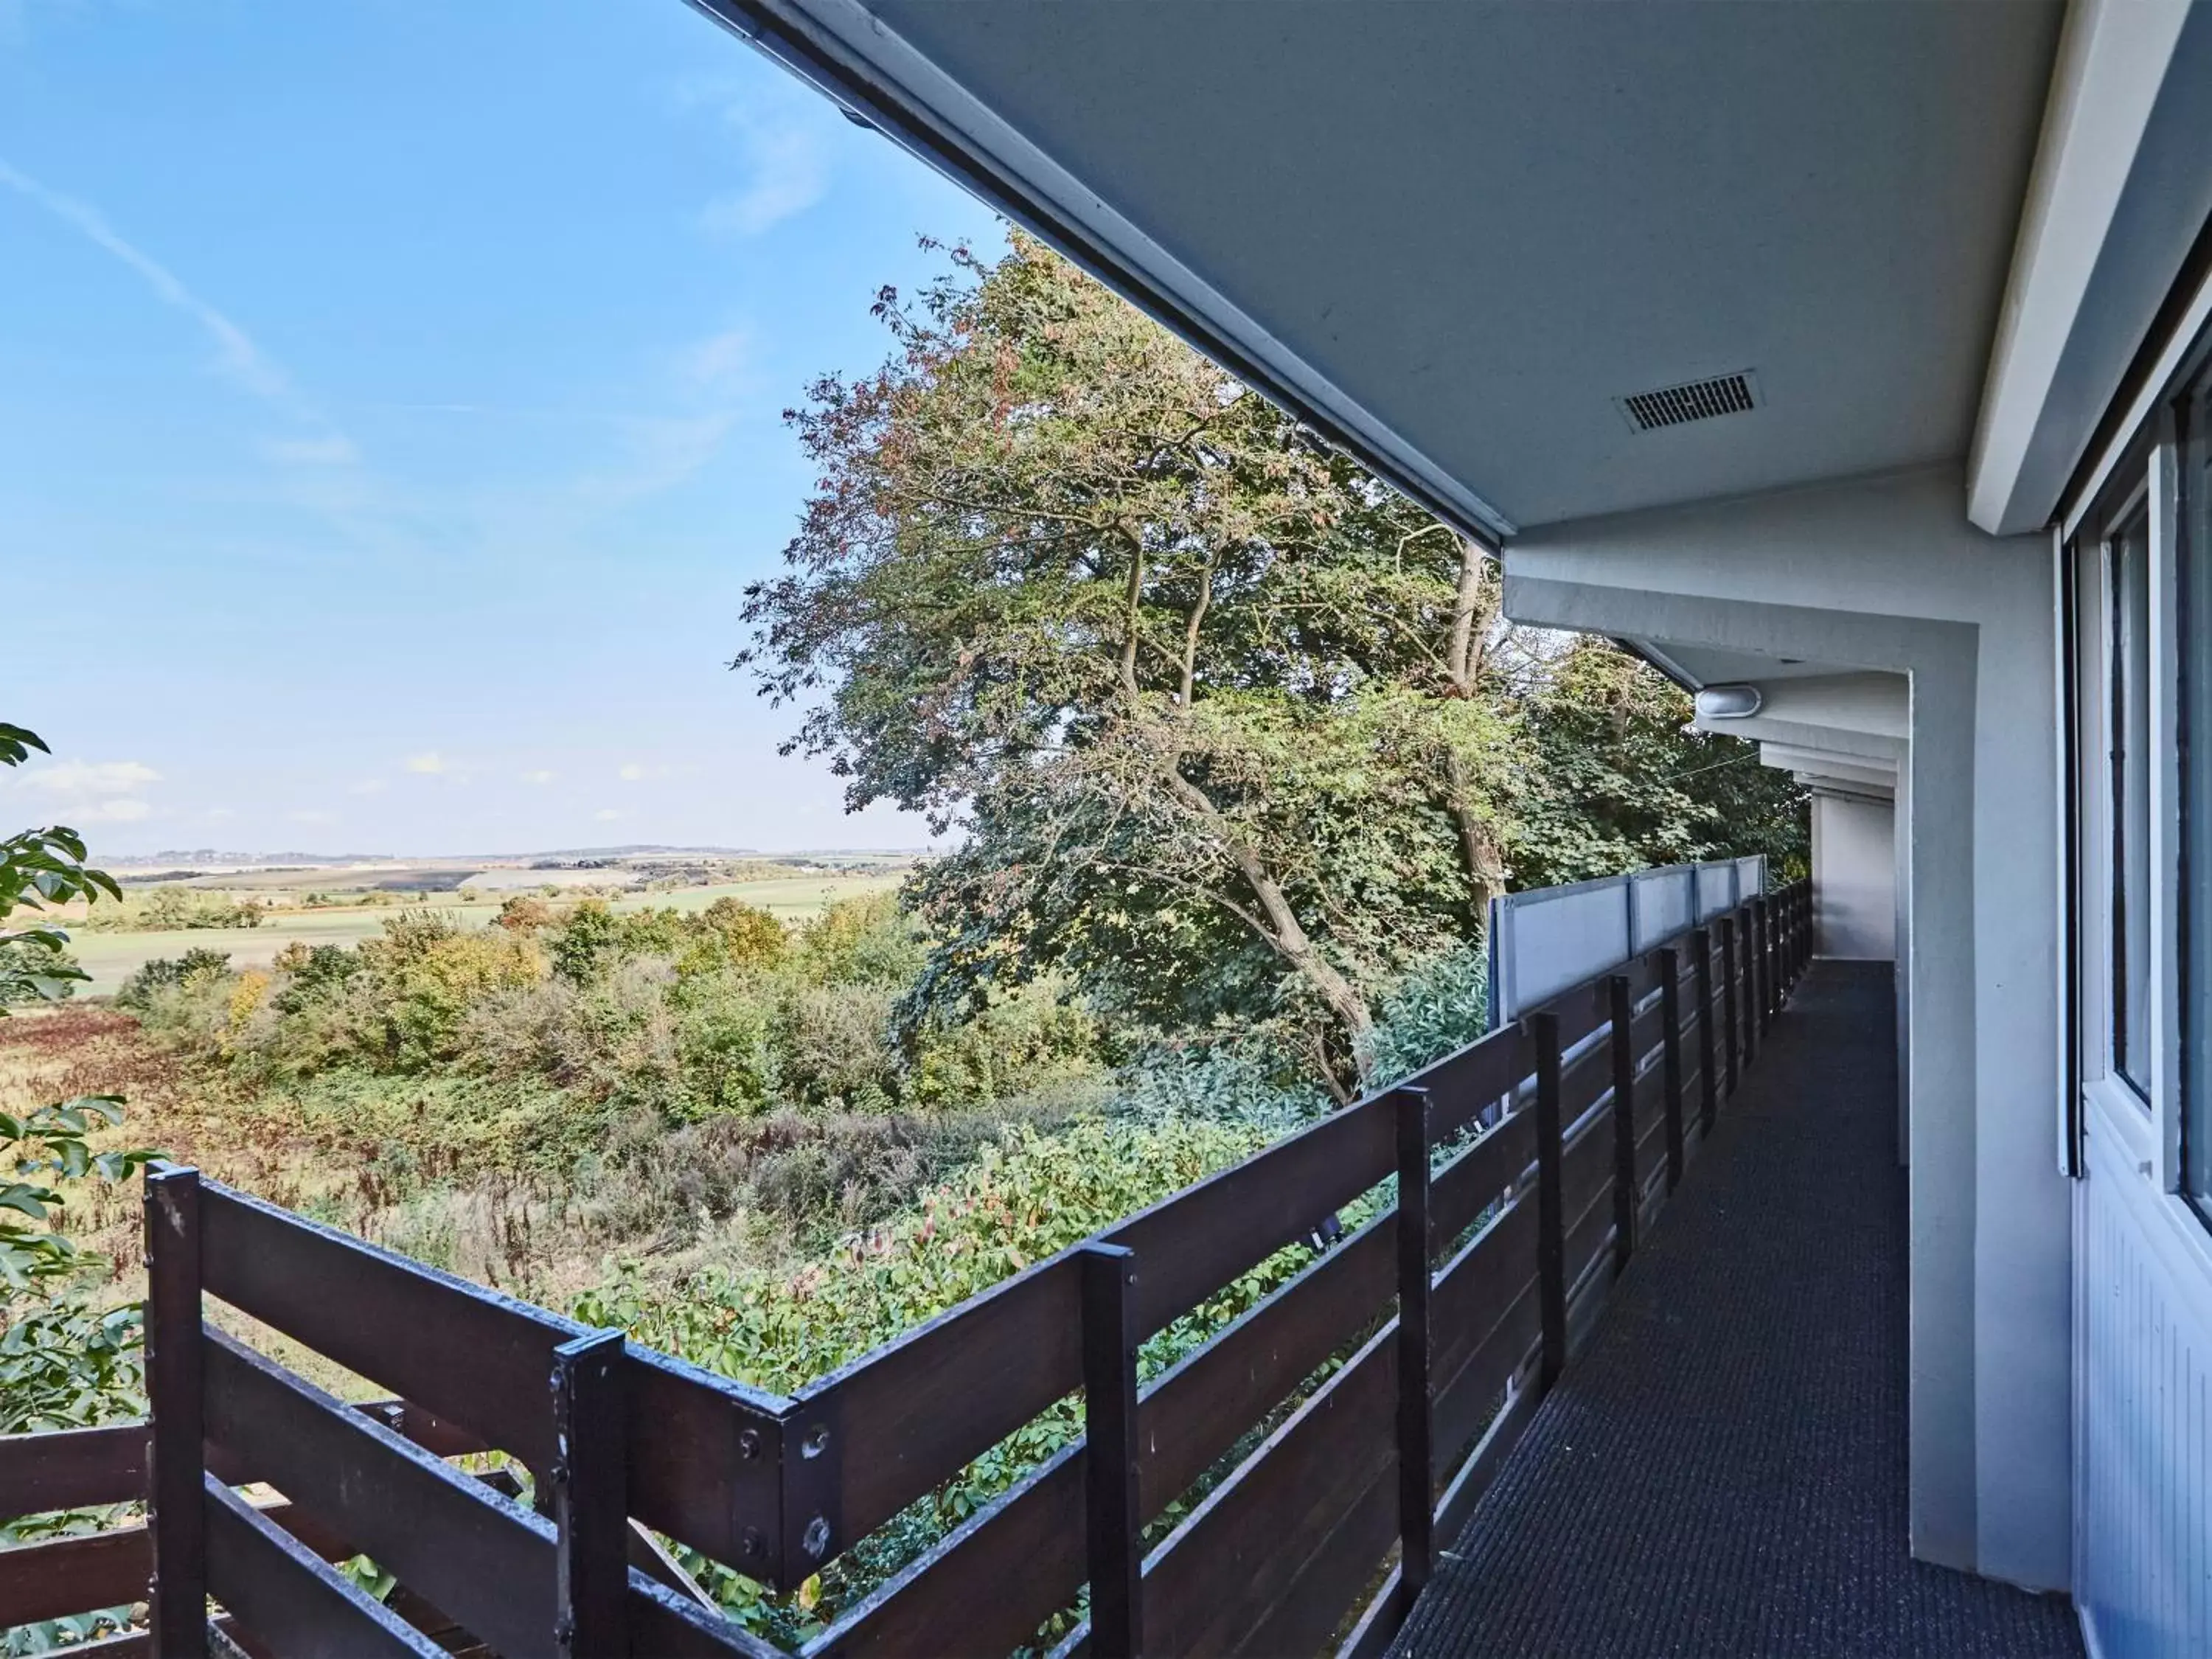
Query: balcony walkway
x=1722, y=1472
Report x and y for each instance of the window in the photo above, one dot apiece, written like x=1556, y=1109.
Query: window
x=2128, y=572
x=2193, y=558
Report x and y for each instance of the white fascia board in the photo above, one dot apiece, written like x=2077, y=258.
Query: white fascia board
x=1860, y=771
x=846, y=52
x=2112, y=62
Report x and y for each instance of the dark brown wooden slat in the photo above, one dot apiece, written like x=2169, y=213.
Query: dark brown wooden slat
x=1187, y=1419
x=1465, y=1400
x=56, y=1578
x=1586, y=1170
x=1461, y=1084
x=1218, y=1576
x=1584, y=1081
x=1378, y=1626
x=1580, y=1011
x=1191, y=1244
x=1327, y=1583
x=1466, y=1488
x=703, y=1456
x=475, y=1358
x=477, y=1362
x=487, y=1563
x=1195, y=1412
x=288, y=1596
x=1481, y=1284
x=665, y=1625
x=1651, y=1148
x=1474, y=1180
x=1590, y=1238
x=995, y=1579
x=71, y=1469
x=908, y=1415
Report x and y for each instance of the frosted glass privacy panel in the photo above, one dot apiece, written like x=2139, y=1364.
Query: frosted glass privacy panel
x=1660, y=902
x=1716, y=889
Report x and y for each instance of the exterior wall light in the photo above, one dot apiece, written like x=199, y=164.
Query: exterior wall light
x=1727, y=702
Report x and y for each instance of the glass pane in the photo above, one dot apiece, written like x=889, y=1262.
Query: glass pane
x=2131, y=762
x=2195, y=554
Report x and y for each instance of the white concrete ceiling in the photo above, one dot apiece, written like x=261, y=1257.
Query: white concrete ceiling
x=1457, y=233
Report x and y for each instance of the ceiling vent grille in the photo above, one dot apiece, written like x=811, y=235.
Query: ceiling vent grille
x=1693, y=400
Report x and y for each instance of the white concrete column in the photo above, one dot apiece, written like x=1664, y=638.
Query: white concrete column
x=1885, y=575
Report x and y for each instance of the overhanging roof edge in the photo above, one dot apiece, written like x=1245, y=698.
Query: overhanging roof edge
x=801, y=40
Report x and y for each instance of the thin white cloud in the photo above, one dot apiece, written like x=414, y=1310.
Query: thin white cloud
x=312, y=816
x=663, y=454
x=89, y=778
x=631, y=773
x=366, y=786
x=539, y=777
x=787, y=166
x=606, y=815
x=237, y=356
x=719, y=358
x=431, y=763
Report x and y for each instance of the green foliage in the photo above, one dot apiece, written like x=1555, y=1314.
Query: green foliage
x=197, y=966
x=1209, y=702
x=1622, y=783
x=38, y=869
x=1021, y=1200
x=170, y=909
x=66, y=1360
x=1235, y=736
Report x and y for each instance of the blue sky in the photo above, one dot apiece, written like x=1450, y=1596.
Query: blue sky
x=390, y=416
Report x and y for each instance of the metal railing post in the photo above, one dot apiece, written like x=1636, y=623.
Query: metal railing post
x=1114, y=1548
x=589, y=1477
x=1551, y=1218
x=1709, y=1084
x=1621, y=1009
x=1670, y=1060
x=1728, y=1002
x=176, y=1489
x=1416, y=1453
x=1748, y=991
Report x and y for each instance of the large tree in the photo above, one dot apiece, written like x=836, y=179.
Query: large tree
x=1619, y=780
x=1207, y=701
x=1227, y=729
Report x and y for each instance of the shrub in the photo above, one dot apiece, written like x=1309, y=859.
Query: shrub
x=197, y=966
x=861, y=941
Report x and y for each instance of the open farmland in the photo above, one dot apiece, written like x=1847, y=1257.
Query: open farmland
x=791, y=893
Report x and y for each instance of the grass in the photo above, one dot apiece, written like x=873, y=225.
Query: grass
x=110, y=959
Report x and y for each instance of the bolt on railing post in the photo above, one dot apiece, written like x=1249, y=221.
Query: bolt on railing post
x=1621, y=1010
x=1551, y=1219
x=1670, y=1060
x=1416, y=1453
x=176, y=1508
x=589, y=1478
x=1114, y=1548
x=1728, y=1002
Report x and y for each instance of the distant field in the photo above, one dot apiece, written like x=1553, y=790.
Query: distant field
x=110, y=959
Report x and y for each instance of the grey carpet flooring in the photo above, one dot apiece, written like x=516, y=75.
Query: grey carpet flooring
x=1722, y=1471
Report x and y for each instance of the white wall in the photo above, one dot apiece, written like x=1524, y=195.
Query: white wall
x=1854, y=878
x=1886, y=574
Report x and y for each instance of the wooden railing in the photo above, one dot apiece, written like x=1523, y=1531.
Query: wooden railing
x=1384, y=1384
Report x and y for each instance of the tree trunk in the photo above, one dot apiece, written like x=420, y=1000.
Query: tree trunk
x=1283, y=931
x=1479, y=850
